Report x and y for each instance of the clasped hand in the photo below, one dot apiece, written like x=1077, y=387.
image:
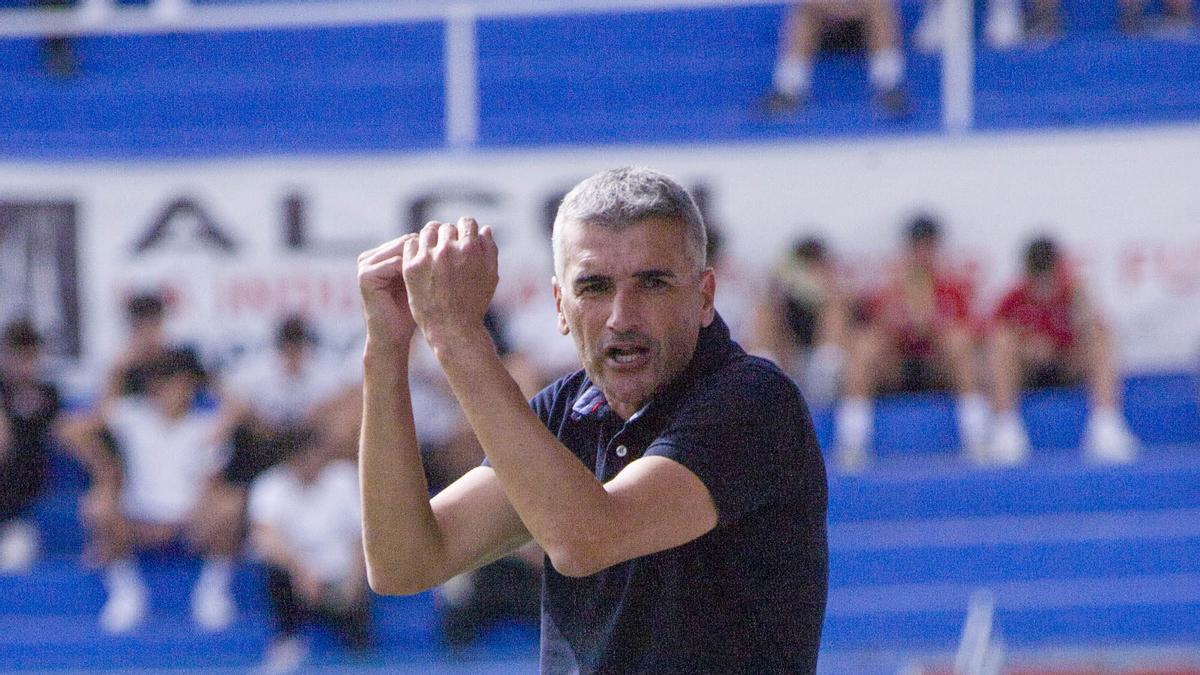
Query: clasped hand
x=441, y=280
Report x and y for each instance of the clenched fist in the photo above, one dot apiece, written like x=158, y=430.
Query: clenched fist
x=450, y=273
x=385, y=301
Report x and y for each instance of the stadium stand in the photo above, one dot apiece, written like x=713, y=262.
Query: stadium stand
x=1075, y=555
x=670, y=76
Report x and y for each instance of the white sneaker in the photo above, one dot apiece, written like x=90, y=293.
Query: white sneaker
x=928, y=33
x=1107, y=439
x=212, y=607
x=124, y=609
x=284, y=656
x=18, y=547
x=1010, y=443
x=1002, y=28
x=852, y=460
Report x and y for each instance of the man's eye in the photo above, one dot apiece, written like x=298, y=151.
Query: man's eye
x=654, y=283
x=591, y=288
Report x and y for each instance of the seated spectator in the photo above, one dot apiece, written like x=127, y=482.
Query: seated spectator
x=30, y=406
x=58, y=52
x=271, y=395
x=1046, y=333
x=1010, y=22
x=803, y=321
x=1176, y=15
x=146, y=342
x=306, y=527
x=1006, y=23
x=839, y=26
x=916, y=334
x=154, y=460
x=737, y=287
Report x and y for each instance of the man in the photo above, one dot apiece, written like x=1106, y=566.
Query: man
x=675, y=483
x=30, y=407
x=153, y=460
x=1046, y=333
x=917, y=335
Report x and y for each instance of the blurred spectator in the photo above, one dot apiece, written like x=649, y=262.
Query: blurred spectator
x=839, y=26
x=1046, y=334
x=292, y=386
x=1009, y=22
x=30, y=407
x=916, y=334
x=306, y=527
x=153, y=460
x=1176, y=15
x=145, y=343
x=58, y=53
x=804, y=319
x=736, y=289
x=1006, y=23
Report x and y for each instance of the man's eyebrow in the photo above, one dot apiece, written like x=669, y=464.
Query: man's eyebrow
x=654, y=274
x=584, y=279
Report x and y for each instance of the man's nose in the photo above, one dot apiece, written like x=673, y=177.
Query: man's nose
x=625, y=313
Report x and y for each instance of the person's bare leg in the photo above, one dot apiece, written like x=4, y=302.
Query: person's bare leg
x=1107, y=438
x=798, y=41
x=216, y=533
x=885, y=62
x=109, y=532
x=958, y=346
x=1004, y=368
x=854, y=418
x=1009, y=444
x=111, y=544
x=1099, y=356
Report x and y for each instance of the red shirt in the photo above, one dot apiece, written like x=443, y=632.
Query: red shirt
x=1050, y=314
x=913, y=309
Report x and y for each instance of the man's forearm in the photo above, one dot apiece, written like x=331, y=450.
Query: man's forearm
x=400, y=535
x=557, y=498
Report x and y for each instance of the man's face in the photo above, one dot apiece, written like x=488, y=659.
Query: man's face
x=173, y=394
x=634, y=302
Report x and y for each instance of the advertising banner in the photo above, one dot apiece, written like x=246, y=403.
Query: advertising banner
x=237, y=243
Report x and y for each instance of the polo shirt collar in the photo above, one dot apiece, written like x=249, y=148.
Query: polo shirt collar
x=713, y=347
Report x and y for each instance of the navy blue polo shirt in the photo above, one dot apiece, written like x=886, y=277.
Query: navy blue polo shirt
x=748, y=596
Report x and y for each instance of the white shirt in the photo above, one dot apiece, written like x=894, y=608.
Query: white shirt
x=283, y=398
x=319, y=521
x=165, y=461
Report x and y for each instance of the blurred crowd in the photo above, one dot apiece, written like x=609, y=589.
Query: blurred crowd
x=814, y=29
x=257, y=459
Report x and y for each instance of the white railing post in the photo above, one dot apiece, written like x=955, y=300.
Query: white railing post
x=462, y=78
x=958, y=65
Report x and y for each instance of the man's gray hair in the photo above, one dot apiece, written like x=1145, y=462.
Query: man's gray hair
x=618, y=198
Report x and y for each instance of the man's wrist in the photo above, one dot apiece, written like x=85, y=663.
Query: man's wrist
x=448, y=342
x=380, y=353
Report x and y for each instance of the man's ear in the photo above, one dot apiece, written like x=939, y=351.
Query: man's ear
x=562, y=319
x=708, y=293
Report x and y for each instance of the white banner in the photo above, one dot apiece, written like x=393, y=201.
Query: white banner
x=239, y=242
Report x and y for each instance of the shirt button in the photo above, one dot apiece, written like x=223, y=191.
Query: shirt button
x=622, y=451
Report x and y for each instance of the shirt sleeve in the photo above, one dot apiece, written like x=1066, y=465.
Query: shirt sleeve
x=747, y=436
